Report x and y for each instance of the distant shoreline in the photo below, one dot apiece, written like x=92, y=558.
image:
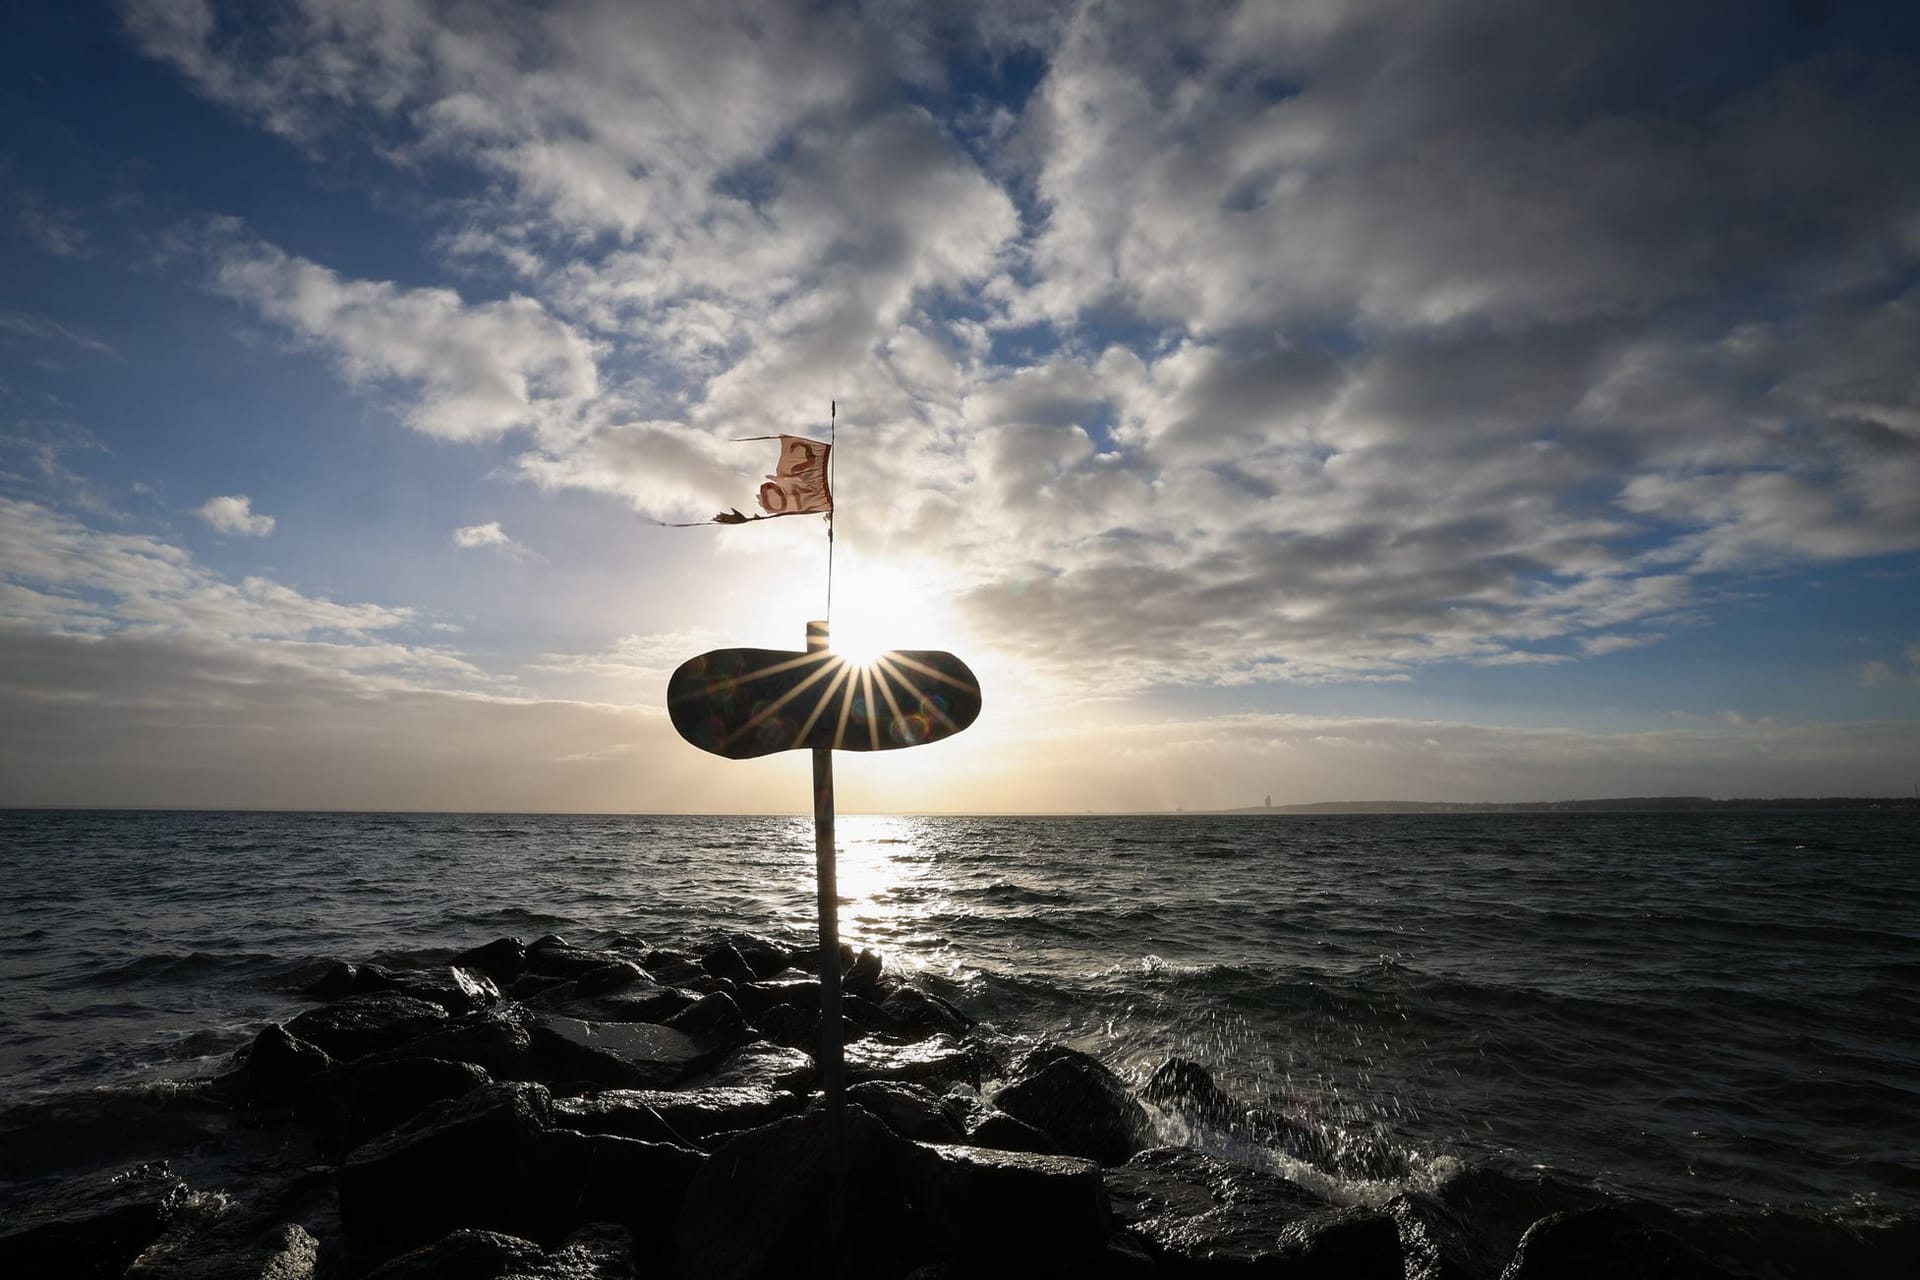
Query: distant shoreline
x=1624, y=804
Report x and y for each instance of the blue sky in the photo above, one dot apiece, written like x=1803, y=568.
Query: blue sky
x=1330, y=400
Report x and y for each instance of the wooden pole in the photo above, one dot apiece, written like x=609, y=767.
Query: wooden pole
x=833, y=1068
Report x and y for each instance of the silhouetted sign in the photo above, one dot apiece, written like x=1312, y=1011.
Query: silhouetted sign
x=742, y=703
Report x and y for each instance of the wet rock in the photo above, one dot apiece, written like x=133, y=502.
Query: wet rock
x=785, y=1025
x=91, y=1226
x=532, y=986
x=503, y=959
x=615, y=975
x=797, y=992
x=938, y=1062
x=764, y=956
x=685, y=1116
x=363, y=1024
x=454, y=989
x=336, y=982
x=757, y=1207
x=762, y=1064
x=1184, y=1086
x=557, y=959
x=572, y=1179
x=598, y=1251
x=963, y=1105
x=352, y=1103
x=495, y=1040
x=863, y=975
x=919, y=1014
x=1602, y=1244
x=1006, y=1211
x=211, y=1240
x=1198, y=1216
x=674, y=968
x=714, y=1018
x=280, y=1060
x=1075, y=1100
x=1434, y=1241
x=725, y=962
x=909, y=1110
x=455, y=1165
x=625, y=1055
x=1477, y=1217
x=637, y=1002
x=1002, y=1132
x=465, y=1255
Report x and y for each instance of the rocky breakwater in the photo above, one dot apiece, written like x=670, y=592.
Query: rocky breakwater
x=551, y=1110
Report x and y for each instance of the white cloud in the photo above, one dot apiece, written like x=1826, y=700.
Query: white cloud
x=234, y=514
x=490, y=536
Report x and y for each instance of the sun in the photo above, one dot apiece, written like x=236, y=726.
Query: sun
x=879, y=606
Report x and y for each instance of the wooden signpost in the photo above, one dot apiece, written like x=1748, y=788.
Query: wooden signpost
x=743, y=703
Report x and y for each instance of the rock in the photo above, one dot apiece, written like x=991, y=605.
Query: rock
x=785, y=1025
x=556, y=959
x=1184, y=1086
x=362, y=1024
x=757, y=1207
x=352, y=1103
x=455, y=1165
x=465, y=1255
x=685, y=1116
x=1002, y=1132
x=614, y=975
x=572, y=1179
x=337, y=981
x=209, y=1240
x=1081, y=1105
x=1008, y=1211
x=279, y=1060
x=94, y=1225
x=598, y=1251
x=503, y=959
x=636, y=1002
x=917, y=1013
x=714, y=1018
x=938, y=1062
x=626, y=1055
x=909, y=1110
x=863, y=975
x=762, y=1064
x=495, y=1040
x=1200, y=1216
x=763, y=955
x=799, y=992
x=673, y=968
x=1602, y=1244
x=724, y=962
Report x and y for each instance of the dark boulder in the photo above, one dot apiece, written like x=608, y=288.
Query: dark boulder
x=280, y=1060
x=764, y=956
x=714, y=1018
x=725, y=962
x=918, y=1014
x=572, y=1179
x=625, y=1055
x=213, y=1239
x=337, y=981
x=1605, y=1243
x=785, y=1025
x=762, y=1064
x=348, y=1105
x=758, y=1208
x=938, y=1062
x=465, y=1255
x=363, y=1024
x=556, y=959
x=796, y=991
x=909, y=1110
x=674, y=968
x=455, y=1165
x=1075, y=1100
x=636, y=1002
x=503, y=959
x=863, y=975
x=495, y=1040
x=91, y=1226
x=686, y=1116
x=1198, y=1216
x=1002, y=1132
x=613, y=975
x=1006, y=1212
x=1186, y=1088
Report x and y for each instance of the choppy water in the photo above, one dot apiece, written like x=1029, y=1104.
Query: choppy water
x=1710, y=1011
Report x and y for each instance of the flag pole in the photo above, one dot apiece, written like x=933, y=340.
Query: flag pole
x=833, y=1070
x=833, y=423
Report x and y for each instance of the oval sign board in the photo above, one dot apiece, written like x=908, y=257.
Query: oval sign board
x=742, y=703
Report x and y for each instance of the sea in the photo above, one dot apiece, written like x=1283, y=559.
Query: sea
x=1715, y=1012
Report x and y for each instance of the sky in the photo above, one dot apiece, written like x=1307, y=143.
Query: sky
x=1323, y=400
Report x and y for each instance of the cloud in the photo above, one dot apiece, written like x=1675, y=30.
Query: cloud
x=234, y=514
x=489, y=535
x=1300, y=343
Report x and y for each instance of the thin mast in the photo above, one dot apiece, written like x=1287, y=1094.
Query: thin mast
x=833, y=420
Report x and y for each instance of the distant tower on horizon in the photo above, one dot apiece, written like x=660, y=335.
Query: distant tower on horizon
x=1269, y=800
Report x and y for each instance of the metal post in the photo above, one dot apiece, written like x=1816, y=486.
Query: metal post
x=833, y=1068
